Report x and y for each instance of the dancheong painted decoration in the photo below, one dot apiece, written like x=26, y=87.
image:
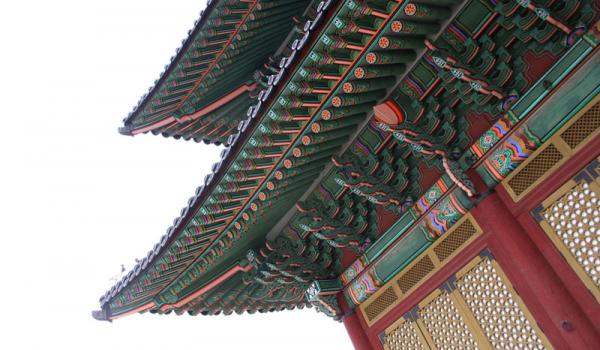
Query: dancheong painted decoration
x=425, y=171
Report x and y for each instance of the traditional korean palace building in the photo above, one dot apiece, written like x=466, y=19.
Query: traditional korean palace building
x=425, y=171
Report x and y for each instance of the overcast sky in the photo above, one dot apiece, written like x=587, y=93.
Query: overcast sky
x=77, y=199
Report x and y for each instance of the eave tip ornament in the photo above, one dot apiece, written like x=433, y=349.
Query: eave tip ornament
x=101, y=315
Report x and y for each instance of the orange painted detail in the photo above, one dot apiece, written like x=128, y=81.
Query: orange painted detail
x=214, y=283
x=336, y=101
x=221, y=102
x=384, y=42
x=389, y=113
x=204, y=111
x=151, y=127
x=144, y=307
x=359, y=73
x=216, y=59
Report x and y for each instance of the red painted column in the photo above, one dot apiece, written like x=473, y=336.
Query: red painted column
x=355, y=331
x=550, y=303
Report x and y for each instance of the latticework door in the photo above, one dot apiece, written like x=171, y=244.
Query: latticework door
x=446, y=324
x=571, y=219
x=495, y=307
x=405, y=335
x=476, y=309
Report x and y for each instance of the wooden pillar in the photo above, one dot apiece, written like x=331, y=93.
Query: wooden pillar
x=355, y=331
x=550, y=303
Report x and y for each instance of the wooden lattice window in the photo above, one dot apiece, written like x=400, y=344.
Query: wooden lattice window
x=535, y=169
x=496, y=310
x=405, y=335
x=583, y=127
x=415, y=274
x=476, y=309
x=382, y=302
x=571, y=219
x=446, y=324
x=574, y=218
x=455, y=240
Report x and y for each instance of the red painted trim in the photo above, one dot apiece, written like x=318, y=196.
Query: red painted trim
x=151, y=127
x=217, y=104
x=136, y=310
x=214, y=283
x=216, y=59
x=567, y=275
x=354, y=331
x=535, y=281
x=204, y=111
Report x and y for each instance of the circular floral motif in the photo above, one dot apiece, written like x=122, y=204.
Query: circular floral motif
x=384, y=42
x=347, y=87
x=410, y=9
x=488, y=139
x=371, y=58
x=336, y=101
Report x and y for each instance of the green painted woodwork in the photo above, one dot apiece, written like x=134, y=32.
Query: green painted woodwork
x=318, y=102
x=222, y=53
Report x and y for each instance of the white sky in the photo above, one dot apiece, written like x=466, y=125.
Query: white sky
x=77, y=199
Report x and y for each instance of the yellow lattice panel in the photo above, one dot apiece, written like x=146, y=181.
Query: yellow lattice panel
x=445, y=324
x=414, y=274
x=498, y=311
x=404, y=334
x=571, y=219
x=574, y=135
x=580, y=130
x=381, y=303
x=464, y=231
x=539, y=165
